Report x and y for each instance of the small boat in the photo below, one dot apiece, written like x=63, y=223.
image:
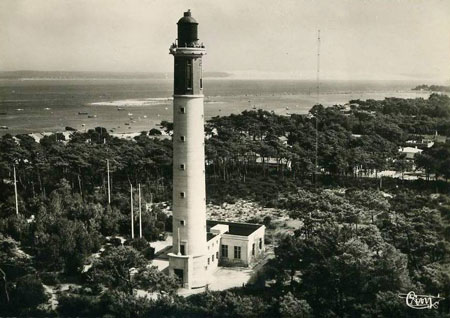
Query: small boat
x=130, y=114
x=126, y=124
x=19, y=109
x=47, y=108
x=83, y=113
x=92, y=116
x=4, y=127
x=145, y=116
x=120, y=108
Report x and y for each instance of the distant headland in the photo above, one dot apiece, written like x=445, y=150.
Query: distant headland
x=432, y=88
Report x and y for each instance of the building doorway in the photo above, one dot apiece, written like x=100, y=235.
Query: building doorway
x=179, y=274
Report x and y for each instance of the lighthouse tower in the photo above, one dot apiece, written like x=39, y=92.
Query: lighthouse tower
x=188, y=257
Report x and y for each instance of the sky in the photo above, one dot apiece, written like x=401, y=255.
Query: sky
x=360, y=39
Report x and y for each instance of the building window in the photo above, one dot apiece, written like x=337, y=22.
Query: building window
x=183, y=138
x=208, y=260
x=217, y=255
x=183, y=110
x=201, y=83
x=260, y=243
x=182, y=194
x=224, y=251
x=182, y=249
x=237, y=252
x=182, y=222
x=212, y=258
x=253, y=249
x=182, y=166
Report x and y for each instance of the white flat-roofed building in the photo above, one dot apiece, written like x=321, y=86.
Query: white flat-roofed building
x=241, y=244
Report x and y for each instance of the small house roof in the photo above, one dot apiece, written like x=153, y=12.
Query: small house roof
x=241, y=229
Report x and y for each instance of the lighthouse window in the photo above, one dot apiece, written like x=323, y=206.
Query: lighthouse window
x=182, y=249
x=253, y=249
x=182, y=222
x=182, y=166
x=183, y=110
x=183, y=138
x=183, y=194
x=260, y=243
x=201, y=83
x=189, y=75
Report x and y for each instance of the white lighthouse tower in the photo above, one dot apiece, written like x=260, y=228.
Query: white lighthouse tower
x=188, y=258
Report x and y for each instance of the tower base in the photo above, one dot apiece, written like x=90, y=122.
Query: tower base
x=191, y=270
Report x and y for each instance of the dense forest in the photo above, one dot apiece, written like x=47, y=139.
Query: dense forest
x=363, y=240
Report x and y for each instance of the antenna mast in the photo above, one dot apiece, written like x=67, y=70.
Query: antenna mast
x=316, y=166
x=318, y=68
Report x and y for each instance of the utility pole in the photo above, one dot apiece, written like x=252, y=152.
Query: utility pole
x=109, y=182
x=132, y=215
x=140, y=213
x=15, y=190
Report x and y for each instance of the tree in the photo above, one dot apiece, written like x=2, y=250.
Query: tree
x=291, y=307
x=29, y=293
x=114, y=268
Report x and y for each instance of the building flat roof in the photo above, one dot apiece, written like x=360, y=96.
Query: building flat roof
x=241, y=229
x=210, y=236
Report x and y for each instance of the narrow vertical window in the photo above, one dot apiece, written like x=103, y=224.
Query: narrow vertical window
x=237, y=252
x=189, y=75
x=224, y=251
x=182, y=166
x=183, y=138
x=183, y=110
x=201, y=83
x=182, y=194
x=253, y=249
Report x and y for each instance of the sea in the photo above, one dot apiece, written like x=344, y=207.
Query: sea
x=126, y=106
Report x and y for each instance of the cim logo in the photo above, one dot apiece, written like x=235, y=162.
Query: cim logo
x=421, y=301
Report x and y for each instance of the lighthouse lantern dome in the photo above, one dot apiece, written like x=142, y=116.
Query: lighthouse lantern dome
x=187, y=30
